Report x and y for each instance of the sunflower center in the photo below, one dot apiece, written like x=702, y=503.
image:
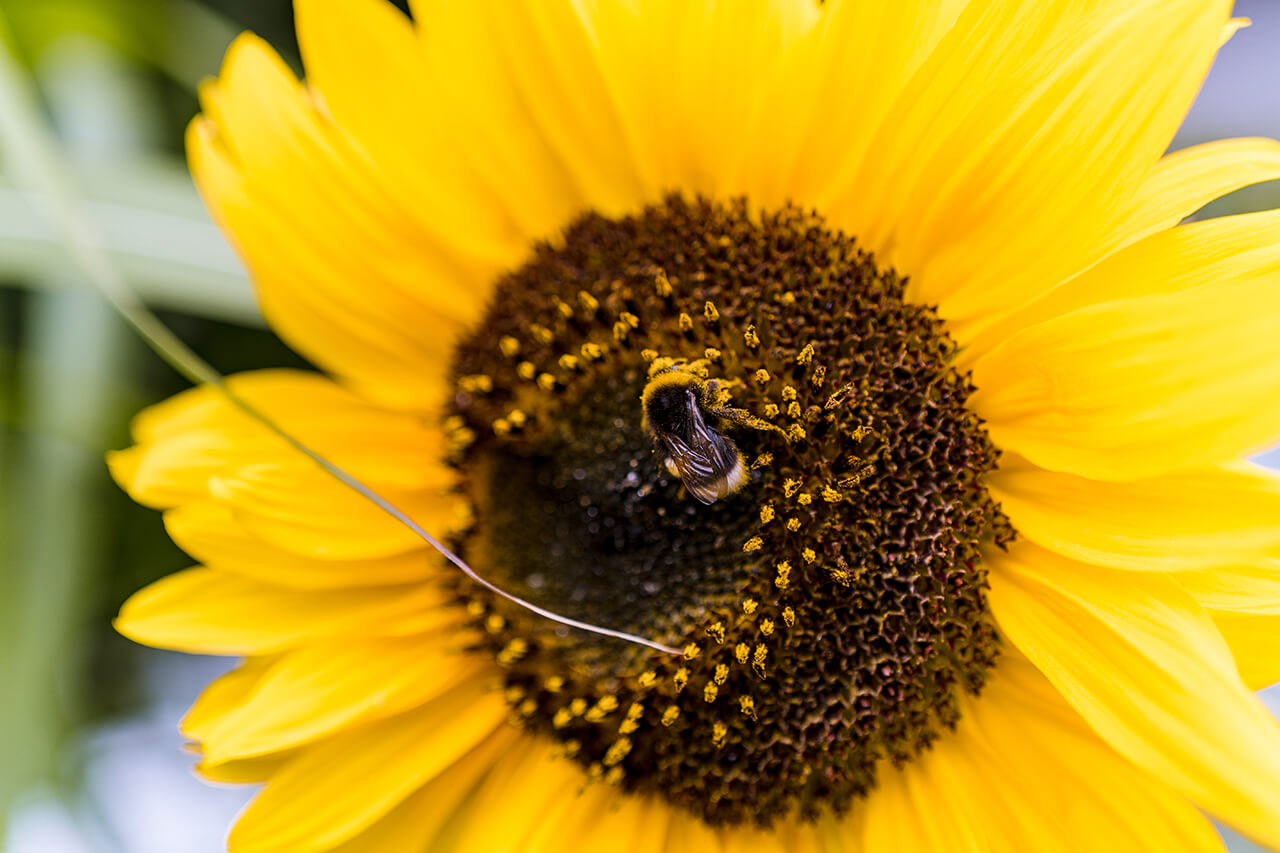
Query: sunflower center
x=829, y=597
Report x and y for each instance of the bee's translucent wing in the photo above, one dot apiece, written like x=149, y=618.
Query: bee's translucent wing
x=709, y=465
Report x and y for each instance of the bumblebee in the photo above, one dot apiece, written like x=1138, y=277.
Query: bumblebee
x=683, y=416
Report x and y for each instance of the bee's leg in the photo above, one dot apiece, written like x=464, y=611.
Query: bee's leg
x=742, y=417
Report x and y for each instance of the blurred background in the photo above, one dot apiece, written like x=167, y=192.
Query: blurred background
x=90, y=758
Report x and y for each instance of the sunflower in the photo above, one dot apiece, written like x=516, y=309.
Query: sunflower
x=982, y=567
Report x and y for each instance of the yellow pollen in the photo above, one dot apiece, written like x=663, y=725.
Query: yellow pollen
x=762, y=377
x=588, y=302
x=578, y=707
x=749, y=606
x=670, y=715
x=528, y=708
x=796, y=433
x=860, y=433
x=517, y=418
x=805, y=499
x=767, y=513
x=681, y=678
x=755, y=543
x=788, y=393
x=662, y=284
x=618, y=751
x=719, y=732
x=788, y=298
x=788, y=617
x=651, y=357
x=809, y=555
x=630, y=319
x=569, y=362
x=513, y=651
x=526, y=370
x=758, y=658
x=562, y=718
x=605, y=706
x=494, y=623
x=771, y=410
x=837, y=397
x=793, y=524
x=717, y=632
x=546, y=381
x=790, y=486
x=793, y=409
x=554, y=684
x=766, y=627
x=501, y=427
x=475, y=608
x=648, y=678
x=806, y=355
x=686, y=323
x=475, y=384
x=830, y=495
x=819, y=376
x=692, y=651
x=784, y=575
x=710, y=692
x=614, y=776
x=712, y=354
x=627, y=727
x=509, y=346
x=742, y=651
x=542, y=334
x=514, y=693
x=747, y=706
x=763, y=460
x=721, y=674
x=591, y=352
x=709, y=311
x=621, y=330
x=750, y=337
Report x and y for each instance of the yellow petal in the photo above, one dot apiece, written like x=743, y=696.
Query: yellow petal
x=1186, y=180
x=247, y=772
x=1033, y=119
x=337, y=788
x=1142, y=662
x=688, y=834
x=422, y=821
x=1253, y=588
x=209, y=533
x=1038, y=778
x=1170, y=261
x=310, y=216
x=529, y=783
x=1137, y=387
x=226, y=692
x=190, y=437
x=1254, y=639
x=597, y=818
x=691, y=84
x=210, y=612
x=1174, y=522
x=311, y=692
x=905, y=816
x=366, y=65
x=859, y=55
x=301, y=508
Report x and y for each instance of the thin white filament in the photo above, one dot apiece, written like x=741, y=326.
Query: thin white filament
x=33, y=156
